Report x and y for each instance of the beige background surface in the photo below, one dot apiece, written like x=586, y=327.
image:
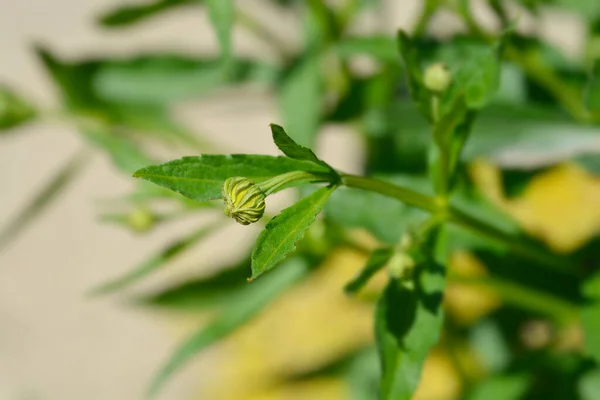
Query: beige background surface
x=55, y=344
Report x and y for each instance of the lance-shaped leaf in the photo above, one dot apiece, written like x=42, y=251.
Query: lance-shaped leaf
x=279, y=237
x=222, y=16
x=376, y=261
x=293, y=150
x=255, y=298
x=407, y=325
x=43, y=198
x=414, y=76
x=200, y=178
x=301, y=98
x=155, y=261
x=131, y=14
x=214, y=291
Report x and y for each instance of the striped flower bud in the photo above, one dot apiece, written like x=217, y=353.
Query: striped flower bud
x=244, y=201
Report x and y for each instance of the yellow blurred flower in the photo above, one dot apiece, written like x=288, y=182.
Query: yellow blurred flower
x=308, y=327
x=467, y=302
x=560, y=206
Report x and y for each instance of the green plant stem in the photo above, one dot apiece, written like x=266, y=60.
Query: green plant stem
x=405, y=195
x=428, y=10
x=259, y=30
x=456, y=216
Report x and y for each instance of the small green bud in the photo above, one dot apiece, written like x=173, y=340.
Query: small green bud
x=437, y=77
x=401, y=265
x=141, y=219
x=244, y=201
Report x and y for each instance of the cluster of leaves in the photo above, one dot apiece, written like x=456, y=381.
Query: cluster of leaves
x=513, y=99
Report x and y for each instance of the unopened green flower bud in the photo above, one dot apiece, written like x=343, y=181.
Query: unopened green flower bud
x=141, y=219
x=437, y=77
x=244, y=200
x=401, y=265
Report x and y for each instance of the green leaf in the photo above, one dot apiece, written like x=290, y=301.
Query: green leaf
x=201, y=178
x=14, y=110
x=381, y=48
x=153, y=79
x=293, y=150
x=155, y=262
x=475, y=71
x=300, y=100
x=376, y=261
x=501, y=387
x=528, y=136
x=255, y=297
x=87, y=97
x=592, y=89
x=222, y=17
x=124, y=152
x=43, y=198
x=590, y=321
x=407, y=325
x=215, y=291
x=589, y=385
x=279, y=237
x=412, y=65
x=131, y=14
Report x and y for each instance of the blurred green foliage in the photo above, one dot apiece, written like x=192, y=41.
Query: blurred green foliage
x=514, y=100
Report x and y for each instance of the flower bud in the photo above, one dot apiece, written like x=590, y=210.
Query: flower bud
x=401, y=265
x=437, y=78
x=244, y=201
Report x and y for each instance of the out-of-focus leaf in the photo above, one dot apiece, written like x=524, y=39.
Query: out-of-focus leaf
x=412, y=65
x=300, y=100
x=255, y=297
x=155, y=262
x=381, y=48
x=119, y=116
x=590, y=316
x=43, y=198
x=376, y=261
x=360, y=209
x=589, y=385
x=125, y=153
x=201, y=178
x=148, y=79
x=590, y=162
x=281, y=234
x=407, y=325
x=321, y=25
x=475, y=72
x=222, y=17
x=363, y=374
x=587, y=9
x=14, y=110
x=215, y=291
x=592, y=89
x=511, y=136
x=293, y=150
x=528, y=137
x=491, y=348
x=130, y=14
x=501, y=387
